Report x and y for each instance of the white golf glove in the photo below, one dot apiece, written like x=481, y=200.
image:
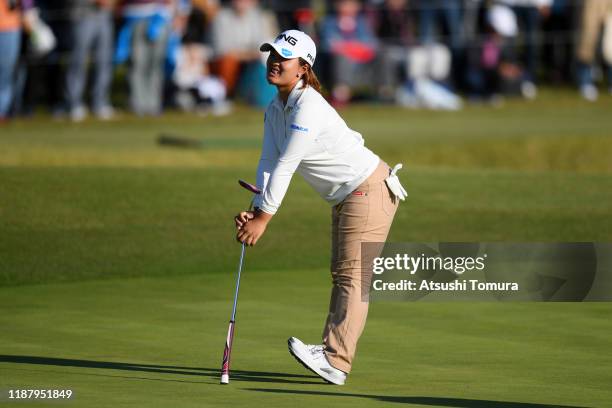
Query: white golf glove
x=394, y=184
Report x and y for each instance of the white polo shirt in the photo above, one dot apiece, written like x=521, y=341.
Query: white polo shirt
x=309, y=136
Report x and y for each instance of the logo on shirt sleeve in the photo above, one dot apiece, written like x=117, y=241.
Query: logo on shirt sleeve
x=295, y=126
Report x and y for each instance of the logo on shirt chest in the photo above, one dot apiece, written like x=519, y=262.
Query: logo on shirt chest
x=297, y=127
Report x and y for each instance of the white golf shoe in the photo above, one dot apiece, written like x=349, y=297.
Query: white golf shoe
x=312, y=357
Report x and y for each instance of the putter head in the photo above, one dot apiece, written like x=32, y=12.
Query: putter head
x=253, y=189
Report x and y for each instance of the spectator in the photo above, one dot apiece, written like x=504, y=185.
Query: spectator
x=237, y=33
x=494, y=69
x=471, y=13
x=530, y=14
x=447, y=12
x=30, y=55
x=441, y=22
x=394, y=27
x=199, y=21
x=594, y=15
x=44, y=77
x=10, y=42
x=559, y=50
x=92, y=32
x=296, y=14
x=349, y=44
x=143, y=38
x=421, y=70
x=195, y=88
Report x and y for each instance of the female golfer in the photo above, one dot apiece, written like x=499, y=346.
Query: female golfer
x=303, y=132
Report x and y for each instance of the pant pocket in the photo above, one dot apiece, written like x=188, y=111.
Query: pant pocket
x=387, y=199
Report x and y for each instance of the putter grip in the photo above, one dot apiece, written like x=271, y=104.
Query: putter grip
x=225, y=365
x=252, y=188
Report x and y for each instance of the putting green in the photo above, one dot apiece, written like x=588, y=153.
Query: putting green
x=158, y=342
x=117, y=262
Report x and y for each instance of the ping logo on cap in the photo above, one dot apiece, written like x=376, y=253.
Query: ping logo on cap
x=291, y=40
x=310, y=57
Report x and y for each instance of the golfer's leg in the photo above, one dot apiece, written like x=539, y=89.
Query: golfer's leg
x=346, y=275
x=365, y=217
x=334, y=245
x=381, y=210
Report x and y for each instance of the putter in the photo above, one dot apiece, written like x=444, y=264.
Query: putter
x=225, y=365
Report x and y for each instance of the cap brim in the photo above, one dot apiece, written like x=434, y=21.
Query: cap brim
x=265, y=47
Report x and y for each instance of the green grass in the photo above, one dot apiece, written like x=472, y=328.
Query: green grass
x=117, y=261
x=157, y=342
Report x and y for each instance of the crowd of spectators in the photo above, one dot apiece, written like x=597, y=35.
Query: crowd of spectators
x=74, y=57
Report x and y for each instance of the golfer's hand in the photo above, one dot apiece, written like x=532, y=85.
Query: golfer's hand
x=243, y=218
x=250, y=232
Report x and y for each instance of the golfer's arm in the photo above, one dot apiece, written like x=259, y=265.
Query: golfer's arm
x=262, y=215
x=267, y=160
x=280, y=176
x=299, y=143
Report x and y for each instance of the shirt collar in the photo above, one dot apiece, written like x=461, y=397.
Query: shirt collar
x=295, y=93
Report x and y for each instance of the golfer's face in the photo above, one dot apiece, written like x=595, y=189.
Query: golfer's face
x=281, y=71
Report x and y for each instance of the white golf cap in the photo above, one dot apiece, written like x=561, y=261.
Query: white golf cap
x=293, y=44
x=503, y=20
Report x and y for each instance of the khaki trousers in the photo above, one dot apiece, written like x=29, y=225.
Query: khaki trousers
x=364, y=216
x=594, y=15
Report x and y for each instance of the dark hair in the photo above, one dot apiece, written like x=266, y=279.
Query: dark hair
x=310, y=78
